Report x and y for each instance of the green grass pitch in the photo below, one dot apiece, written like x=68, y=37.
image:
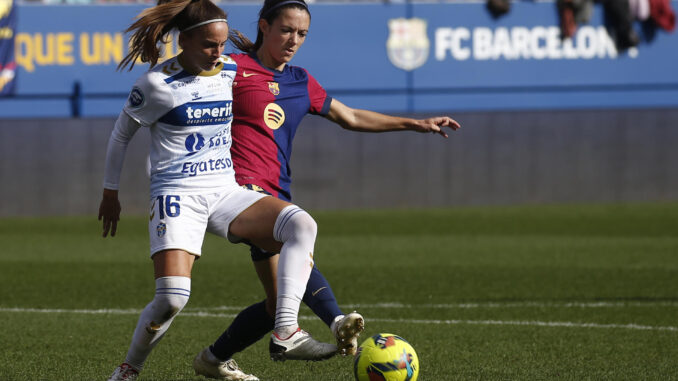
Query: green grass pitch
x=583, y=292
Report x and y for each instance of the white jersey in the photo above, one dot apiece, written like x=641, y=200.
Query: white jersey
x=189, y=117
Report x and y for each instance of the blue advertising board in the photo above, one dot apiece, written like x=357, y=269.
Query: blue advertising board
x=404, y=57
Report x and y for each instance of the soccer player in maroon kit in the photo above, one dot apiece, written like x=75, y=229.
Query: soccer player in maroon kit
x=270, y=100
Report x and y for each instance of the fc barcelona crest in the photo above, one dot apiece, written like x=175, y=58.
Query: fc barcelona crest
x=408, y=43
x=274, y=88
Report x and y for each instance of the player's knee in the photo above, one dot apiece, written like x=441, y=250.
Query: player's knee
x=294, y=222
x=172, y=305
x=305, y=224
x=171, y=296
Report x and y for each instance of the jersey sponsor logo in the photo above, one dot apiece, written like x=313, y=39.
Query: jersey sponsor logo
x=246, y=74
x=199, y=114
x=194, y=142
x=274, y=116
x=274, y=88
x=136, y=97
x=195, y=168
x=407, y=45
x=208, y=112
x=223, y=138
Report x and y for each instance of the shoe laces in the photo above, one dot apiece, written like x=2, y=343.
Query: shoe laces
x=231, y=365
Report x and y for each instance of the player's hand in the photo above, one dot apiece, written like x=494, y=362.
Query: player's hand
x=109, y=210
x=436, y=124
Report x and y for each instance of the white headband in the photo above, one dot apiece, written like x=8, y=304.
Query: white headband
x=203, y=23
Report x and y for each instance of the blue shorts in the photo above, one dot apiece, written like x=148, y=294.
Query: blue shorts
x=256, y=253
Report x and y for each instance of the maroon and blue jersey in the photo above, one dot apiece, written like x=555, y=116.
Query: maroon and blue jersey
x=268, y=106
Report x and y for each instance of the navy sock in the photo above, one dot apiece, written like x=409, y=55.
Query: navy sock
x=320, y=298
x=247, y=328
x=253, y=323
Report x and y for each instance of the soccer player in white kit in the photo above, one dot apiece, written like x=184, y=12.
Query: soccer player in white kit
x=186, y=103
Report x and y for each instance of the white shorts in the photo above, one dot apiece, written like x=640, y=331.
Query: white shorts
x=180, y=221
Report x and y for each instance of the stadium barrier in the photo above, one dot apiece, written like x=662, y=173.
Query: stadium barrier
x=55, y=166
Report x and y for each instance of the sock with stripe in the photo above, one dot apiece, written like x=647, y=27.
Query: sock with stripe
x=253, y=323
x=171, y=295
x=297, y=230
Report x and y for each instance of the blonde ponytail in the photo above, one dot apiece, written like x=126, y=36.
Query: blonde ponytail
x=153, y=25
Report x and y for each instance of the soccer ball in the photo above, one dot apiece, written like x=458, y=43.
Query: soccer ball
x=386, y=357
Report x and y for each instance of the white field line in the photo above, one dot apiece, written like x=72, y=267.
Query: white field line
x=526, y=304
x=532, y=323
x=488, y=305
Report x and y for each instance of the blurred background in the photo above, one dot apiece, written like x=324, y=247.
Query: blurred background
x=560, y=101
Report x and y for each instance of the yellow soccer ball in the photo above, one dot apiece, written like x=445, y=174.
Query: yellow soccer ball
x=386, y=357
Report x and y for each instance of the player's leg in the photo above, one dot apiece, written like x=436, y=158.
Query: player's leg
x=172, y=290
x=266, y=224
x=176, y=240
x=318, y=296
x=345, y=327
x=250, y=325
x=255, y=321
x=266, y=267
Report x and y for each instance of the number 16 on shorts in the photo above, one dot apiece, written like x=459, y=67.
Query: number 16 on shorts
x=178, y=222
x=167, y=206
x=164, y=206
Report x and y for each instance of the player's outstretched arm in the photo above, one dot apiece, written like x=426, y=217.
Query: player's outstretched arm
x=109, y=211
x=370, y=121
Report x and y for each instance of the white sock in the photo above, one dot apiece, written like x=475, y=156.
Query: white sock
x=171, y=295
x=297, y=230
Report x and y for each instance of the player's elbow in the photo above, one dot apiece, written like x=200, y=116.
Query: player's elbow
x=349, y=126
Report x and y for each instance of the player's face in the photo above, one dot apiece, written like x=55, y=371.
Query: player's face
x=203, y=46
x=284, y=37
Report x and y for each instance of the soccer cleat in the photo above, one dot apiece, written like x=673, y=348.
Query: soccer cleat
x=124, y=372
x=346, y=330
x=205, y=364
x=299, y=346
